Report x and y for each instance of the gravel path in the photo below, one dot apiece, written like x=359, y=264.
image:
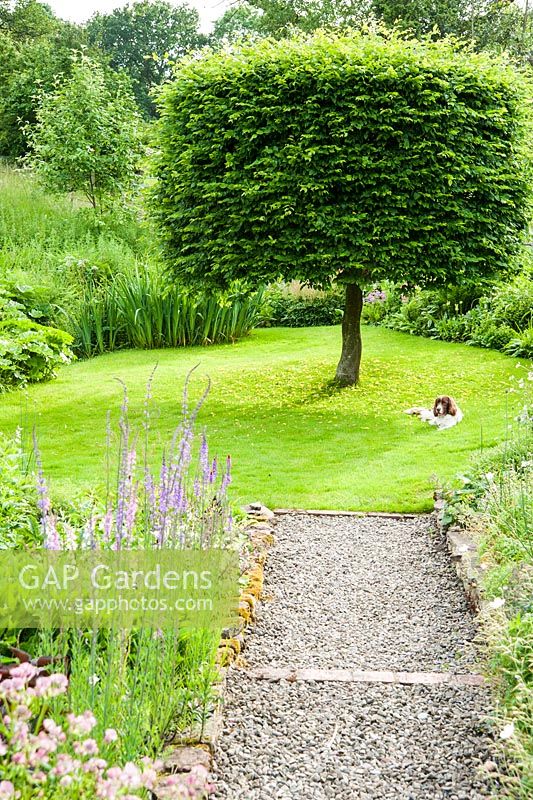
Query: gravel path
x=363, y=593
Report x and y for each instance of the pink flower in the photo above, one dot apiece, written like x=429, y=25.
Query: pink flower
x=114, y=773
x=51, y=686
x=22, y=712
x=95, y=765
x=65, y=765
x=149, y=778
x=81, y=725
x=106, y=789
x=151, y=763
x=7, y=790
x=13, y=690
x=45, y=742
x=110, y=735
x=131, y=776
x=86, y=748
x=26, y=671
x=54, y=730
x=21, y=733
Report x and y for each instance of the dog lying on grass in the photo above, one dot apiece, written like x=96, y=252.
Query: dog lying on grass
x=444, y=414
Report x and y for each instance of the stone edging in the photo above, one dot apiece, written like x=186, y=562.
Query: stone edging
x=465, y=556
x=318, y=512
x=196, y=748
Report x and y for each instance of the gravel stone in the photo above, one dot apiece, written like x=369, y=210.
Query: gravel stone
x=362, y=593
x=350, y=742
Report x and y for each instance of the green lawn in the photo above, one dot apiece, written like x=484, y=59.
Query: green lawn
x=294, y=441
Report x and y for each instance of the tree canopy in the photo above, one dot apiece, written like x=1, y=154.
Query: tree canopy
x=35, y=52
x=488, y=24
x=142, y=38
x=356, y=158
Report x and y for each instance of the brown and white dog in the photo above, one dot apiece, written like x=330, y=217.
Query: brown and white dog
x=444, y=414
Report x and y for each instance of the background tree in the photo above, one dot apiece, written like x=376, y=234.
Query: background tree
x=357, y=159
x=490, y=24
x=87, y=135
x=238, y=21
x=35, y=52
x=142, y=38
x=27, y=19
x=280, y=18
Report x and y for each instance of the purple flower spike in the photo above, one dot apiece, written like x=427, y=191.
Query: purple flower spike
x=107, y=525
x=226, y=480
x=204, y=459
x=52, y=541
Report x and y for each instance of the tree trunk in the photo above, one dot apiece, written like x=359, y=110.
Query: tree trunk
x=348, y=367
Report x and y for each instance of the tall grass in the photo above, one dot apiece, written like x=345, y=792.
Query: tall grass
x=138, y=309
x=59, y=243
x=101, y=275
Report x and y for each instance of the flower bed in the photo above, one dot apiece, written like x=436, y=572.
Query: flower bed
x=98, y=731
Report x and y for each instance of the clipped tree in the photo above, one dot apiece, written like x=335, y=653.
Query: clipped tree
x=356, y=159
x=87, y=135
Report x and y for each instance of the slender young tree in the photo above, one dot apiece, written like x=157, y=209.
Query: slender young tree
x=87, y=135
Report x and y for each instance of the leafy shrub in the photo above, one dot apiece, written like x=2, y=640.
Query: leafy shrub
x=380, y=302
x=34, y=302
x=451, y=329
x=483, y=330
x=512, y=303
x=417, y=316
x=500, y=319
x=282, y=308
x=30, y=352
x=521, y=345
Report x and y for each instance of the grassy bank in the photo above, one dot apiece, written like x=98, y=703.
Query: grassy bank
x=294, y=440
x=58, y=243
x=495, y=504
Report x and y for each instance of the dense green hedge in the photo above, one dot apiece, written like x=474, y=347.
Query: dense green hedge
x=371, y=155
x=285, y=309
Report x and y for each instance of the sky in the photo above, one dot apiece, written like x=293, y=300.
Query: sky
x=81, y=10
